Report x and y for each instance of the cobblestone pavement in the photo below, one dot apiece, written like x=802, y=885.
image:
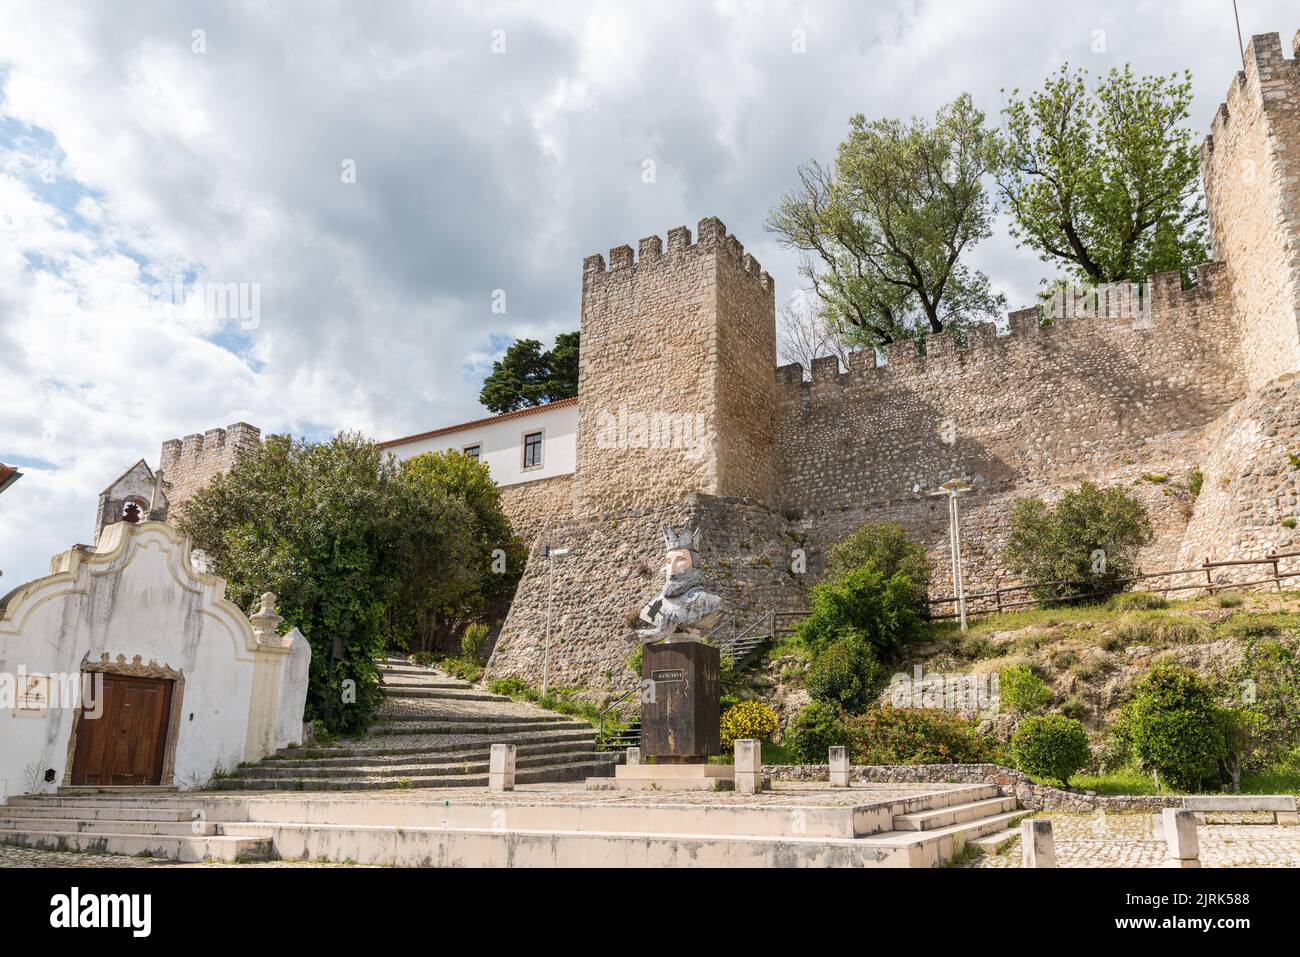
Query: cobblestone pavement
x=1132, y=840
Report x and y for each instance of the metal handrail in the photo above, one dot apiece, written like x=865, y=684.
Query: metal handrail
x=618, y=702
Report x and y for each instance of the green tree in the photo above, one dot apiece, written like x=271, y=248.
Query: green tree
x=527, y=375
x=883, y=233
x=1106, y=182
x=343, y=542
x=1086, y=545
x=886, y=546
x=483, y=587
x=1176, y=727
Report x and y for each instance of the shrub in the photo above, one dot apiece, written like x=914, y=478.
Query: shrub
x=1076, y=707
x=977, y=647
x=845, y=674
x=1183, y=630
x=748, y=719
x=1195, y=480
x=1022, y=691
x=1051, y=544
x=885, y=546
x=510, y=687
x=1230, y=601
x=1051, y=746
x=474, y=640
x=863, y=600
x=1137, y=630
x=886, y=735
x=1110, y=642
x=1174, y=724
x=1251, y=626
x=813, y=732
x=1063, y=660
x=1138, y=601
x=634, y=660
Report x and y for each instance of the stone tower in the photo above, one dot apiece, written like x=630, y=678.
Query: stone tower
x=1251, y=167
x=676, y=393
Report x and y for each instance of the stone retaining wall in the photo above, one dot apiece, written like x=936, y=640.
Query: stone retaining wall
x=1033, y=797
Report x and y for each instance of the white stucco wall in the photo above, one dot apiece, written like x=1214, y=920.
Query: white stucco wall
x=502, y=444
x=293, y=691
x=135, y=595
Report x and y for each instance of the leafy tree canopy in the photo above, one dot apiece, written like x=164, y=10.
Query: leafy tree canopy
x=527, y=375
x=1106, y=182
x=885, y=230
x=346, y=542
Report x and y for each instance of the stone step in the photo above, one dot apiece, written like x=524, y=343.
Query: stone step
x=425, y=681
x=448, y=755
x=575, y=771
x=169, y=846
x=495, y=727
x=108, y=826
x=406, y=692
x=377, y=769
x=396, y=745
x=995, y=842
x=954, y=814
x=132, y=790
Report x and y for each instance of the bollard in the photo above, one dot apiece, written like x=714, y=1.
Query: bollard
x=749, y=766
x=1038, y=847
x=501, y=768
x=633, y=756
x=839, y=767
x=1181, y=837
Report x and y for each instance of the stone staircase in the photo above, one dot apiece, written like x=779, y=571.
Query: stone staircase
x=139, y=826
x=795, y=826
x=434, y=731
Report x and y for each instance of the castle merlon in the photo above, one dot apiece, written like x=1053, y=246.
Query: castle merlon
x=712, y=235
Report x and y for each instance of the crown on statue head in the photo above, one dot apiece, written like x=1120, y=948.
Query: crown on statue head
x=683, y=538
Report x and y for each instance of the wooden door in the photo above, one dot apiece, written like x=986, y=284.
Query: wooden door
x=126, y=744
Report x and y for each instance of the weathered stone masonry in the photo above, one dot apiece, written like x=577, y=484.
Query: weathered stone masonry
x=189, y=464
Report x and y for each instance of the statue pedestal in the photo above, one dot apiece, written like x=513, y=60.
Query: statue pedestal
x=680, y=724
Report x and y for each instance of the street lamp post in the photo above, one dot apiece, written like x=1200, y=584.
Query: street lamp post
x=548, y=553
x=953, y=489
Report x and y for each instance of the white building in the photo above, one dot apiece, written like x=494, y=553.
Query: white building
x=540, y=442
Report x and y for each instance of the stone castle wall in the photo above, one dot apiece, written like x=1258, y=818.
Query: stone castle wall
x=1040, y=404
x=617, y=566
x=1251, y=167
x=675, y=373
x=189, y=464
x=532, y=507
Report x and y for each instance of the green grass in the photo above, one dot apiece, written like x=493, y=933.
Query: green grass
x=1130, y=781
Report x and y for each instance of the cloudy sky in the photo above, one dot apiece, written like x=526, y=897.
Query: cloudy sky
x=374, y=172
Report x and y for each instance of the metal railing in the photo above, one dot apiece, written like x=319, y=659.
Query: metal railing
x=1010, y=597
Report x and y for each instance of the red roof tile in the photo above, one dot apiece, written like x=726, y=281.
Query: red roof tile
x=503, y=417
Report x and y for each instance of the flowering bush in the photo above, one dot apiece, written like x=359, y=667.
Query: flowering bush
x=748, y=719
x=885, y=735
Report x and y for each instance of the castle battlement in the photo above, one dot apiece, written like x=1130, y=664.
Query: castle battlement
x=190, y=463
x=1269, y=81
x=650, y=253
x=1171, y=307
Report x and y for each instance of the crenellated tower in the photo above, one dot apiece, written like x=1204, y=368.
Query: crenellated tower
x=1251, y=167
x=676, y=393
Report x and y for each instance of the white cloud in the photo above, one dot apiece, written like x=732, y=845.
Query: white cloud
x=476, y=171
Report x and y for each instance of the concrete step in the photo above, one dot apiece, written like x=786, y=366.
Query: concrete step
x=933, y=847
x=108, y=826
x=169, y=846
x=954, y=814
x=135, y=790
x=572, y=771
x=53, y=808
x=995, y=842
x=477, y=764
